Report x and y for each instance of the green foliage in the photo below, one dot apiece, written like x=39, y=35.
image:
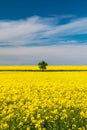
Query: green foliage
x=42, y=65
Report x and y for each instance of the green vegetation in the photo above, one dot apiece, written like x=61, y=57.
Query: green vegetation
x=42, y=65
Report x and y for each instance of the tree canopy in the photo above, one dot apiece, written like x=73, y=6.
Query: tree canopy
x=42, y=65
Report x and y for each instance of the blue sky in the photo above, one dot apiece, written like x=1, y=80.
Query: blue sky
x=51, y=30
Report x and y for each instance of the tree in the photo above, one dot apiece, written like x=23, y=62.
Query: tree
x=42, y=65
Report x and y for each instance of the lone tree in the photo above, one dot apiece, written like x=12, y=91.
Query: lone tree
x=42, y=65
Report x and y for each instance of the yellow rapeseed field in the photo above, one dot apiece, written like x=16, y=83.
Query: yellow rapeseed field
x=43, y=100
x=48, y=68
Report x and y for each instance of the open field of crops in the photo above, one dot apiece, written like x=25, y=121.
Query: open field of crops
x=48, y=68
x=43, y=100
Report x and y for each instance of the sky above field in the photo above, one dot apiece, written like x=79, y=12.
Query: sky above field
x=51, y=30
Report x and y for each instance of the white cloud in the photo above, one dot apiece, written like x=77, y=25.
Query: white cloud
x=77, y=26
x=54, y=55
x=39, y=30
x=22, y=31
x=51, y=38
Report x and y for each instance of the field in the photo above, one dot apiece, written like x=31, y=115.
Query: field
x=48, y=68
x=43, y=100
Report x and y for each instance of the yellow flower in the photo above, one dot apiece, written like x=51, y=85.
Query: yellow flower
x=5, y=126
